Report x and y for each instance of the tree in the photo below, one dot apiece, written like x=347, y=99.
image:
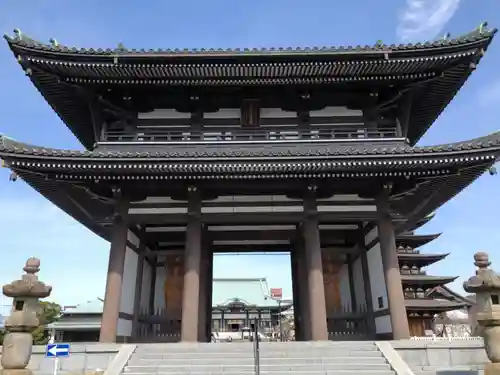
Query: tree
x=48, y=313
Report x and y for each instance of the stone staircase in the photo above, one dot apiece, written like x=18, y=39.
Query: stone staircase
x=339, y=358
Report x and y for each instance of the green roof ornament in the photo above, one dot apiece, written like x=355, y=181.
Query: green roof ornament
x=482, y=27
x=53, y=42
x=379, y=43
x=121, y=47
x=446, y=36
x=18, y=34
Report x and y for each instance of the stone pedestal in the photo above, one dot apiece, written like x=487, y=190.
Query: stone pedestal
x=18, y=342
x=492, y=369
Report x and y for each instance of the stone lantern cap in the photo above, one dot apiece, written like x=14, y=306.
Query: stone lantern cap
x=29, y=285
x=485, y=280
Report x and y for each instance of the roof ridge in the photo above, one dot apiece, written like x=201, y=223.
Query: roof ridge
x=481, y=32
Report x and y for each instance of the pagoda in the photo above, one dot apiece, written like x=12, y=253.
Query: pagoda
x=308, y=150
x=426, y=296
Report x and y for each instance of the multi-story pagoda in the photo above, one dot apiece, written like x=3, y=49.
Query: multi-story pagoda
x=426, y=296
x=312, y=151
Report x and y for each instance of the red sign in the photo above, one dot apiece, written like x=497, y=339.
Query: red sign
x=276, y=293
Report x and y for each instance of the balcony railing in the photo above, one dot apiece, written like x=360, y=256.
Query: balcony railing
x=253, y=135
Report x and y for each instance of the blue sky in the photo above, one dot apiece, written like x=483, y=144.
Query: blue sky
x=74, y=260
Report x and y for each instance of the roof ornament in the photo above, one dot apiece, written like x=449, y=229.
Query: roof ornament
x=18, y=34
x=446, y=36
x=54, y=42
x=482, y=27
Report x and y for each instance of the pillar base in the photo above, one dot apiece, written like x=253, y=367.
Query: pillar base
x=492, y=369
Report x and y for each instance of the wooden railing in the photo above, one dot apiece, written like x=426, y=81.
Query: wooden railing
x=241, y=135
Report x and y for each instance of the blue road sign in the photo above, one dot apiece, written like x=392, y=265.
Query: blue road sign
x=57, y=350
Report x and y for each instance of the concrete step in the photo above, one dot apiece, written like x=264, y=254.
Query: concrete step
x=320, y=372
x=249, y=360
x=455, y=370
x=263, y=354
x=280, y=367
x=237, y=347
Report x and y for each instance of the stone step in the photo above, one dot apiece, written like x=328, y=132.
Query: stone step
x=263, y=354
x=249, y=360
x=441, y=370
x=281, y=367
x=153, y=348
x=320, y=372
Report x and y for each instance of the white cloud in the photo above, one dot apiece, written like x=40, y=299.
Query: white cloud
x=425, y=19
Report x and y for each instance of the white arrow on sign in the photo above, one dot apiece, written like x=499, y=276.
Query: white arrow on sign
x=55, y=350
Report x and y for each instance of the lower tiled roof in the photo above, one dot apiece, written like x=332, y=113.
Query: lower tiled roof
x=238, y=150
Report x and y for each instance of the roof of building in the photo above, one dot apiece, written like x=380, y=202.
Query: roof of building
x=416, y=240
x=427, y=280
x=250, y=291
x=435, y=167
x=439, y=299
x=420, y=259
x=437, y=69
x=90, y=307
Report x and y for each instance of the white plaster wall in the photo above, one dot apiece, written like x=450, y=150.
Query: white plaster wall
x=146, y=285
x=359, y=287
x=377, y=280
x=345, y=289
x=371, y=235
x=161, y=277
x=383, y=324
x=128, y=282
x=124, y=327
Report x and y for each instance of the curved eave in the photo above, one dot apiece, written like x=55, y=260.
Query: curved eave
x=416, y=305
x=420, y=260
x=416, y=240
x=479, y=37
x=74, y=201
x=444, y=65
x=425, y=280
x=420, y=223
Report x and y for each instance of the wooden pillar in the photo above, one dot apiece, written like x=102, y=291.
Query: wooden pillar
x=297, y=319
x=395, y=295
x=192, y=268
x=138, y=283
x=367, y=287
x=112, y=296
x=314, y=266
x=204, y=292
x=350, y=274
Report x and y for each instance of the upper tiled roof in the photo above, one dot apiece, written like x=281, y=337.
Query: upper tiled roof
x=427, y=75
x=90, y=307
x=482, y=32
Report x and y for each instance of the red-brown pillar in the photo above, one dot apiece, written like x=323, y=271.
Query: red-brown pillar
x=395, y=296
x=314, y=267
x=204, y=289
x=117, y=252
x=192, y=268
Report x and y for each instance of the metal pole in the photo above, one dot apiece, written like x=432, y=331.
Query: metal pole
x=279, y=317
x=256, y=346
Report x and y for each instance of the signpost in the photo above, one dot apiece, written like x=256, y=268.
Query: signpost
x=277, y=295
x=57, y=351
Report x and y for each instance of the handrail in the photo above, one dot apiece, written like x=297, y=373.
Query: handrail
x=236, y=135
x=256, y=346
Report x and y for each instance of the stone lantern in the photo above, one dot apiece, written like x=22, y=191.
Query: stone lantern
x=486, y=286
x=18, y=342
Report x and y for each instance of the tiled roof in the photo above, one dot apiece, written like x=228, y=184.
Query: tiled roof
x=426, y=279
x=480, y=33
x=90, y=307
x=252, y=292
x=333, y=149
